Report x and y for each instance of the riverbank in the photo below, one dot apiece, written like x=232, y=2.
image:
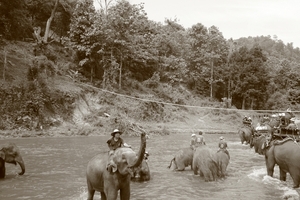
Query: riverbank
x=95, y=131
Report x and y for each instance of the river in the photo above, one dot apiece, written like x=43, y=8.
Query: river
x=55, y=169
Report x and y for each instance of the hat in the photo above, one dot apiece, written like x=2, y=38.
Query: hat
x=221, y=138
x=193, y=135
x=116, y=131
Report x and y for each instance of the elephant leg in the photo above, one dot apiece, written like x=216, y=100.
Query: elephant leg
x=201, y=174
x=206, y=177
x=91, y=191
x=282, y=174
x=270, y=164
x=125, y=192
x=256, y=148
x=2, y=172
x=296, y=181
x=111, y=193
x=180, y=166
x=294, y=172
x=103, y=196
x=2, y=168
x=195, y=168
x=91, y=194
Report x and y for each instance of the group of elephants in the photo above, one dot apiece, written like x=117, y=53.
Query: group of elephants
x=109, y=174
x=284, y=152
x=208, y=163
x=105, y=173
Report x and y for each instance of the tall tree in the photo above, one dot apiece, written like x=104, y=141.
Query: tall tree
x=82, y=34
x=48, y=24
x=217, y=52
x=250, y=78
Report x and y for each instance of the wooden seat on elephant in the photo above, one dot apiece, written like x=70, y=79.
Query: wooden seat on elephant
x=284, y=132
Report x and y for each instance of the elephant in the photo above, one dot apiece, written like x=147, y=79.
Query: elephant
x=142, y=172
x=257, y=141
x=222, y=159
x=10, y=153
x=245, y=134
x=109, y=174
x=286, y=154
x=182, y=159
x=204, y=161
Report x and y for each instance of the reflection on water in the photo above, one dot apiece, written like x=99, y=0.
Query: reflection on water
x=55, y=169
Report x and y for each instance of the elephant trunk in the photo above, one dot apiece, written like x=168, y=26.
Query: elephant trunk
x=141, y=153
x=22, y=165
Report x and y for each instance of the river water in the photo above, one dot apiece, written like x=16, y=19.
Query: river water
x=55, y=169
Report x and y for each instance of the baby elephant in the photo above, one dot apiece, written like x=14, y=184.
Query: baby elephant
x=182, y=159
x=142, y=172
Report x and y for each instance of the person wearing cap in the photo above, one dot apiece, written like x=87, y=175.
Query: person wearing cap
x=288, y=116
x=223, y=145
x=116, y=141
x=292, y=125
x=199, y=139
x=193, y=141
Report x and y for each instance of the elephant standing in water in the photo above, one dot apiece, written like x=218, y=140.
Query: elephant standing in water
x=245, y=134
x=10, y=153
x=142, y=172
x=222, y=160
x=257, y=142
x=110, y=173
x=286, y=154
x=182, y=159
x=204, y=161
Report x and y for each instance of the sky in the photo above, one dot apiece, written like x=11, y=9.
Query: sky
x=234, y=18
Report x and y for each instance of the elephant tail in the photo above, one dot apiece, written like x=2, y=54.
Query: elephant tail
x=171, y=163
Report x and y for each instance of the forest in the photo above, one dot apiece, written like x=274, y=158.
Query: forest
x=117, y=48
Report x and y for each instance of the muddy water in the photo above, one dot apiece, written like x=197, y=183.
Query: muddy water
x=55, y=169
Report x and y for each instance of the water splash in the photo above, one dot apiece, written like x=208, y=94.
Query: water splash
x=261, y=175
x=257, y=174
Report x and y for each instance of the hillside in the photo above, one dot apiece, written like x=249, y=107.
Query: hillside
x=55, y=103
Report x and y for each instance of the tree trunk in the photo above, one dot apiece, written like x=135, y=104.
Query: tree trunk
x=252, y=103
x=120, y=75
x=4, y=63
x=243, y=104
x=49, y=22
x=211, y=79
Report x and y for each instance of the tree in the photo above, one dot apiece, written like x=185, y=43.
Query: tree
x=14, y=23
x=250, y=78
x=209, y=51
x=83, y=34
x=217, y=52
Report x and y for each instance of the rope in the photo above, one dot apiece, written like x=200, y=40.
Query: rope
x=179, y=105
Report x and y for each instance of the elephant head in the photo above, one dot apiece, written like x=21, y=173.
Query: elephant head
x=125, y=160
x=10, y=154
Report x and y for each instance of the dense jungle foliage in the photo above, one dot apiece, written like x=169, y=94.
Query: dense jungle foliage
x=117, y=48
